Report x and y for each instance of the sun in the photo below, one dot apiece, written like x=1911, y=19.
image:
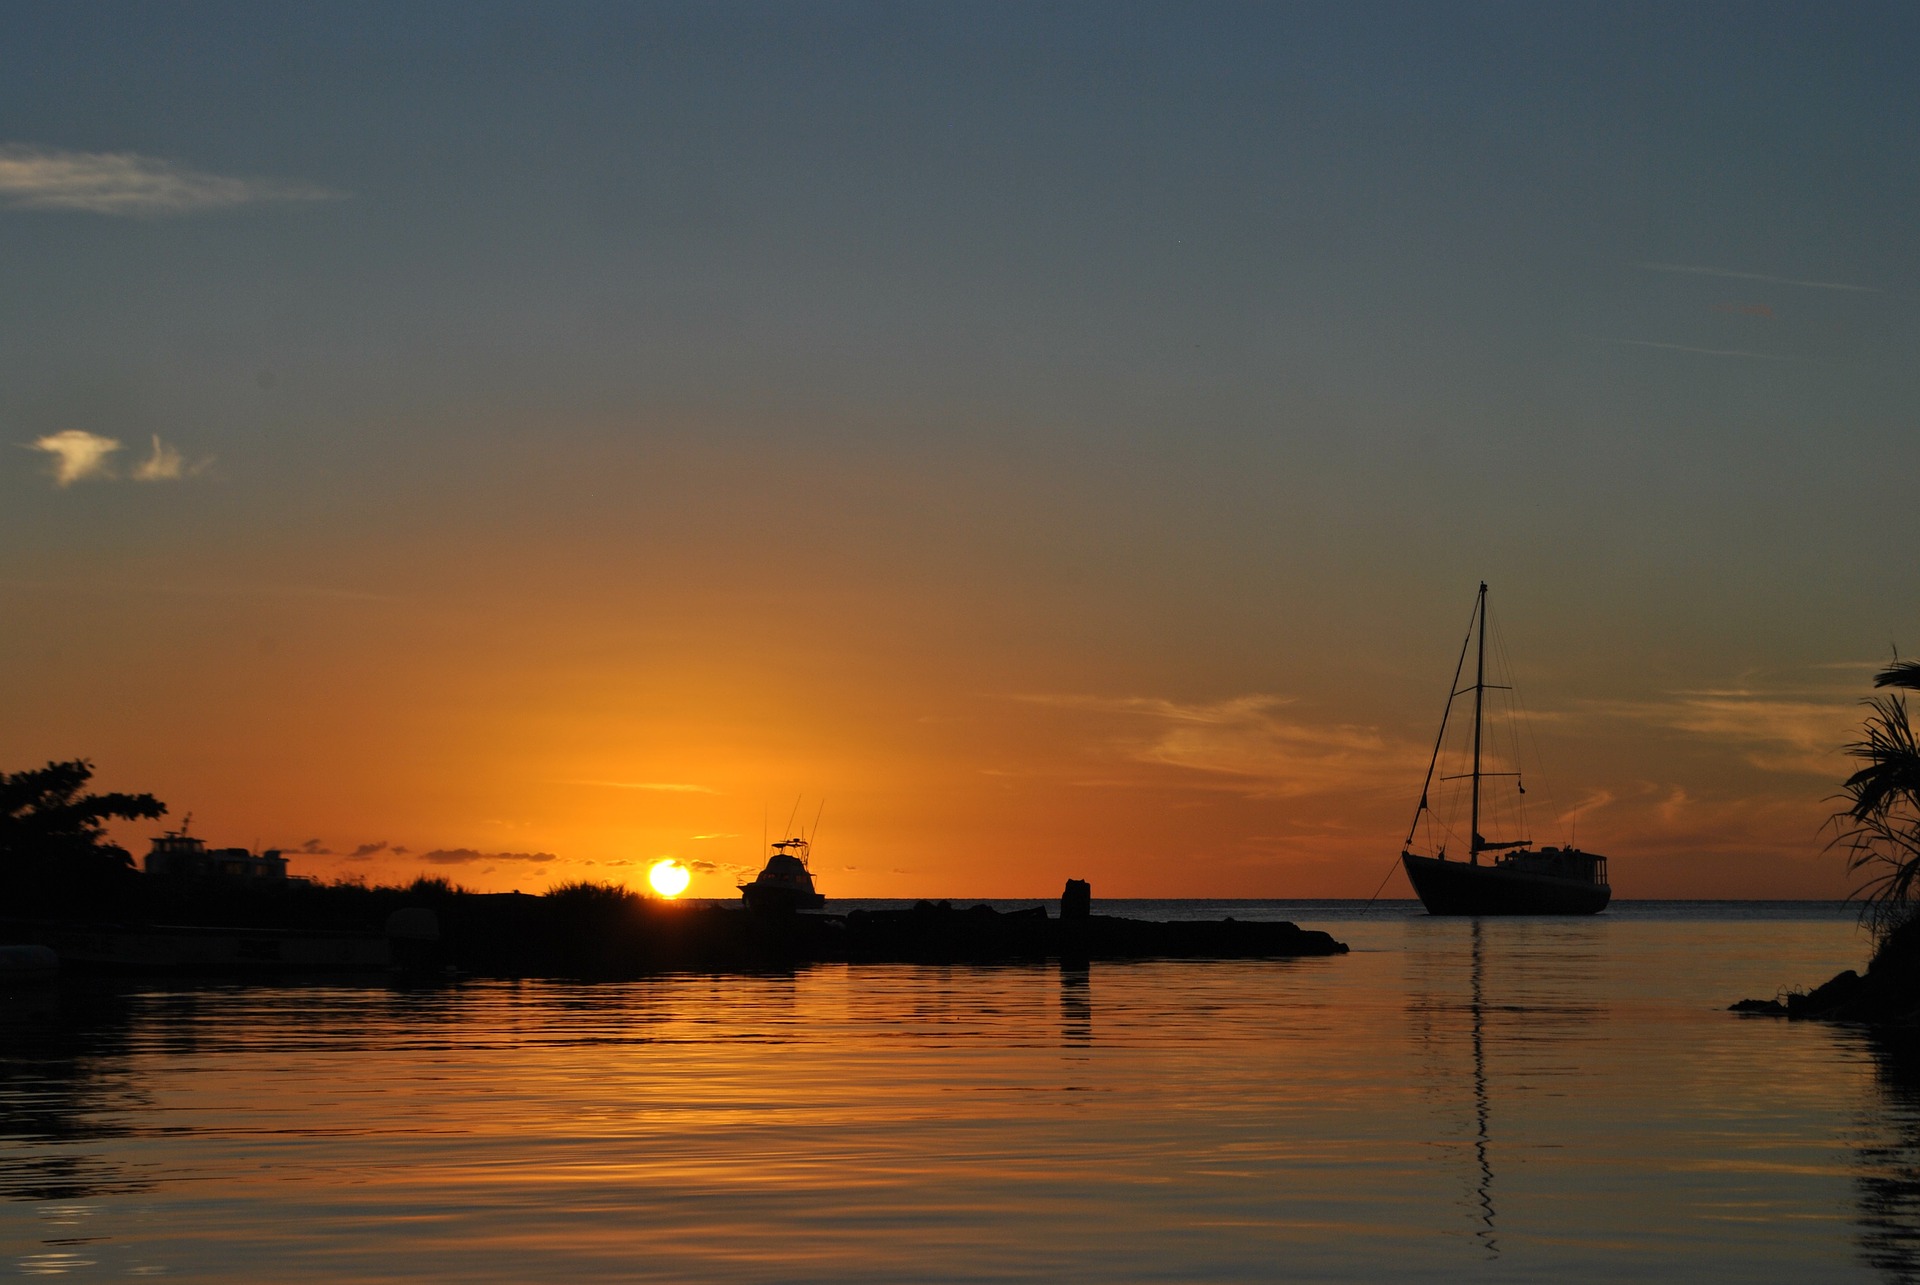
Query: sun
x=669, y=878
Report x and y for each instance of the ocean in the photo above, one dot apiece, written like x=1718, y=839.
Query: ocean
x=1520, y=1099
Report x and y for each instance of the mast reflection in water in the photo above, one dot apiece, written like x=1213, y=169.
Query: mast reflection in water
x=1481, y=1142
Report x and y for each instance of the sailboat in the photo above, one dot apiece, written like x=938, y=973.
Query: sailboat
x=1518, y=879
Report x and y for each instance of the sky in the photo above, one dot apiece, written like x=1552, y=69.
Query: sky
x=520, y=443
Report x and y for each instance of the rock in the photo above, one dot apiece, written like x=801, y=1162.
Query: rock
x=1830, y=999
x=1077, y=901
x=1768, y=1007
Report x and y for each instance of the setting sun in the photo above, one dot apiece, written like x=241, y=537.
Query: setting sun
x=669, y=878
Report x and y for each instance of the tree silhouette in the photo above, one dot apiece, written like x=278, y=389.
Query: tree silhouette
x=48, y=825
x=1879, y=829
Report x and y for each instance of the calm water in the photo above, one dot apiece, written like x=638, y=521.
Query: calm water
x=1513, y=1099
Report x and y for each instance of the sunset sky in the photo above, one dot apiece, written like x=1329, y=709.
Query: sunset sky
x=520, y=443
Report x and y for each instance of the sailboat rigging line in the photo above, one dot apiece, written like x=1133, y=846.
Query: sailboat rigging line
x=1500, y=811
x=1441, y=736
x=1508, y=728
x=1512, y=729
x=1523, y=724
x=1382, y=888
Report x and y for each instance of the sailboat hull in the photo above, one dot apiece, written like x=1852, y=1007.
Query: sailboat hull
x=1460, y=888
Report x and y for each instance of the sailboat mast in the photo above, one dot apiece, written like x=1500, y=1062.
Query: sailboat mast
x=1440, y=737
x=1479, y=689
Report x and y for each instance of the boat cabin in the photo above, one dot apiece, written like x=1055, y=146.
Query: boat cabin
x=177, y=854
x=1561, y=863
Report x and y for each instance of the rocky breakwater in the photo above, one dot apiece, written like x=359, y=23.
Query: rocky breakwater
x=1888, y=993
x=590, y=931
x=934, y=931
x=603, y=935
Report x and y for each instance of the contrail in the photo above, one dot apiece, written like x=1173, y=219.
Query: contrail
x=1711, y=352
x=1759, y=276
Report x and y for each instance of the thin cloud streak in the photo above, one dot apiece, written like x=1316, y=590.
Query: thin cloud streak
x=1243, y=741
x=1775, y=732
x=205, y=591
x=669, y=787
x=467, y=856
x=1710, y=352
x=1697, y=270
x=127, y=184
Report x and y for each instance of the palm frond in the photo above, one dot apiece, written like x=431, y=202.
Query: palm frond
x=1889, y=758
x=1879, y=827
x=1901, y=673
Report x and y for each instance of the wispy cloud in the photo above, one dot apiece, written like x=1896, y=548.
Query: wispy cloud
x=1710, y=352
x=1792, y=732
x=1698, y=270
x=669, y=787
x=296, y=591
x=323, y=592
x=167, y=464
x=1246, y=743
x=1592, y=801
x=125, y=183
x=360, y=852
x=1663, y=820
x=466, y=856
x=77, y=455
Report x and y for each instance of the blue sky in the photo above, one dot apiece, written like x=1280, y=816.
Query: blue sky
x=1153, y=353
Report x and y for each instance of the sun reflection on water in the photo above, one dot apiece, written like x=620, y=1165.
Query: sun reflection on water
x=1359, y=1115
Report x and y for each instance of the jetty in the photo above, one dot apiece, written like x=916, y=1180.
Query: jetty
x=600, y=931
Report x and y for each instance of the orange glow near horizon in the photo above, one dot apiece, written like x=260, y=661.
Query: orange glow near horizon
x=971, y=737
